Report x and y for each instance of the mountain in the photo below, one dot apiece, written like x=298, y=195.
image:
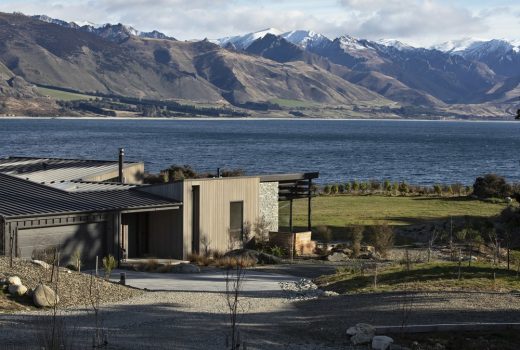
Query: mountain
x=305, y=38
x=241, y=42
x=115, y=32
x=55, y=55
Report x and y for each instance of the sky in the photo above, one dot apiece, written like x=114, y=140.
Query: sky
x=417, y=22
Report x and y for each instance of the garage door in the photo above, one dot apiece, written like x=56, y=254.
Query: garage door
x=88, y=238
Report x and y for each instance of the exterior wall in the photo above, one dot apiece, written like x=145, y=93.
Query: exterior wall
x=172, y=191
x=215, y=198
x=133, y=174
x=165, y=234
x=106, y=239
x=268, y=196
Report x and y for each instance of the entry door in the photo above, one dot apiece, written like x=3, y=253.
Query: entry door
x=195, y=219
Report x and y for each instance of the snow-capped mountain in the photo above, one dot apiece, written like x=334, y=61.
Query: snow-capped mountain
x=241, y=42
x=305, y=38
x=394, y=43
x=456, y=46
x=115, y=32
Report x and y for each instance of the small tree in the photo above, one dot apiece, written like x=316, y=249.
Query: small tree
x=341, y=188
x=364, y=186
x=348, y=187
x=491, y=185
x=109, y=264
x=355, y=186
x=403, y=188
x=334, y=189
x=356, y=235
x=387, y=186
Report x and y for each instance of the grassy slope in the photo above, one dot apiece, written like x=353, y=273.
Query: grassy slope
x=62, y=95
x=339, y=211
x=424, y=276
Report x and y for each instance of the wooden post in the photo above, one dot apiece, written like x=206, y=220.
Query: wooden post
x=97, y=265
x=309, y=207
x=291, y=216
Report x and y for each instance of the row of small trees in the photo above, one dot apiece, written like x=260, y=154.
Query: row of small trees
x=395, y=188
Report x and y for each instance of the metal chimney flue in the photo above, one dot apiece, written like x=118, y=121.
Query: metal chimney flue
x=121, y=162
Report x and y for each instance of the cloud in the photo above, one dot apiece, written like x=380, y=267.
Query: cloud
x=415, y=21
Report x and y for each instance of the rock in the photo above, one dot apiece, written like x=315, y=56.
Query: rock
x=368, y=248
x=381, y=342
x=17, y=289
x=338, y=256
x=185, y=268
x=362, y=333
x=304, y=289
x=41, y=263
x=44, y=296
x=330, y=293
x=14, y=280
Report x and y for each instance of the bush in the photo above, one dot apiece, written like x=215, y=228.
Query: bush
x=334, y=189
x=364, y=186
x=341, y=188
x=382, y=237
x=109, y=263
x=403, y=187
x=199, y=259
x=491, y=185
x=355, y=233
x=355, y=186
x=387, y=186
x=326, y=189
x=437, y=189
x=232, y=262
x=277, y=251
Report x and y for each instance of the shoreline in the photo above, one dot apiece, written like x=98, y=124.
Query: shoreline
x=261, y=119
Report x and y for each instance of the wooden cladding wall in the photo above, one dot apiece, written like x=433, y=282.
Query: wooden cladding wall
x=215, y=198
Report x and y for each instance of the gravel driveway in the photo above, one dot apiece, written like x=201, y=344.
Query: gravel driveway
x=198, y=320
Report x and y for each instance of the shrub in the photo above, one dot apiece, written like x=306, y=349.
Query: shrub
x=45, y=254
x=355, y=186
x=348, y=187
x=364, y=186
x=437, y=189
x=375, y=185
x=75, y=260
x=277, y=251
x=387, y=186
x=334, y=189
x=403, y=187
x=326, y=189
x=109, y=263
x=232, y=262
x=491, y=185
x=395, y=187
x=341, y=188
x=199, y=259
x=382, y=237
x=356, y=236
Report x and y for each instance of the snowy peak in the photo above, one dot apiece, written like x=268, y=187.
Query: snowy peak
x=348, y=43
x=474, y=48
x=114, y=32
x=454, y=46
x=305, y=38
x=394, y=43
x=242, y=42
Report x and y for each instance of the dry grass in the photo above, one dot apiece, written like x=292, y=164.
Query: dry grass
x=233, y=262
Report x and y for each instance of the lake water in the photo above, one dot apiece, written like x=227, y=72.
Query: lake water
x=419, y=152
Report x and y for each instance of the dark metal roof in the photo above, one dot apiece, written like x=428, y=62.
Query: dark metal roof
x=22, y=198
x=289, y=177
x=44, y=170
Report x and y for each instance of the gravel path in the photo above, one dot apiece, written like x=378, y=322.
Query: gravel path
x=198, y=320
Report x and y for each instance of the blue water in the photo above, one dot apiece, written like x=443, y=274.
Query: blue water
x=419, y=152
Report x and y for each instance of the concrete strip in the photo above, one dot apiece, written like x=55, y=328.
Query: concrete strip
x=447, y=327
x=206, y=281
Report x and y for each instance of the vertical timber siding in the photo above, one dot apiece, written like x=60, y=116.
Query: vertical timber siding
x=215, y=198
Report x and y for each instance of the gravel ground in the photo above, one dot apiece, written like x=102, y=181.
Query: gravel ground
x=73, y=287
x=269, y=320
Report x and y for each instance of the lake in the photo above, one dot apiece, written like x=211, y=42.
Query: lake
x=419, y=152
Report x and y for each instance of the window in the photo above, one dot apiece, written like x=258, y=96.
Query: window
x=236, y=219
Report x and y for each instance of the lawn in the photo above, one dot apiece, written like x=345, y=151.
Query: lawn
x=342, y=210
x=62, y=95
x=438, y=276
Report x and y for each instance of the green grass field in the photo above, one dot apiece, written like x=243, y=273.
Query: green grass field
x=424, y=276
x=344, y=210
x=62, y=95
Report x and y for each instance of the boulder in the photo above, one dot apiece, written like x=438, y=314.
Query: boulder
x=361, y=333
x=44, y=296
x=185, y=268
x=14, y=280
x=381, y=342
x=330, y=293
x=17, y=289
x=41, y=263
x=338, y=256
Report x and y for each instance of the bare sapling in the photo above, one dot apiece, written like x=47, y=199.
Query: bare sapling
x=460, y=265
x=234, y=282
x=434, y=234
x=99, y=339
x=375, y=275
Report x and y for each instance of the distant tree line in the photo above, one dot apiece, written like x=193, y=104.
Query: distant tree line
x=485, y=187
x=182, y=172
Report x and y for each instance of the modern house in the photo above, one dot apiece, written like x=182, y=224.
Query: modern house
x=102, y=207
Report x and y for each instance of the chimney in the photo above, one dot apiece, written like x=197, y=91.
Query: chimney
x=121, y=162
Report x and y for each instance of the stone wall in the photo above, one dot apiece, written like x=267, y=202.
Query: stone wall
x=269, y=204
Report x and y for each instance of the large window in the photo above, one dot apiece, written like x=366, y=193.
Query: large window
x=236, y=219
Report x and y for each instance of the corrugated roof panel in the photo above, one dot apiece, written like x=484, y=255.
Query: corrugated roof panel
x=43, y=170
x=89, y=186
x=19, y=197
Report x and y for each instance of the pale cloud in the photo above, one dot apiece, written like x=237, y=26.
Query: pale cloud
x=417, y=21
